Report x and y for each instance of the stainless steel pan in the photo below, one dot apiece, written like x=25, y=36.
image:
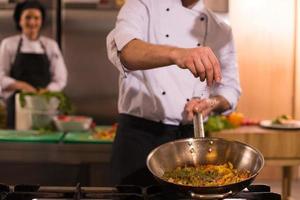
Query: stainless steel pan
x=195, y=151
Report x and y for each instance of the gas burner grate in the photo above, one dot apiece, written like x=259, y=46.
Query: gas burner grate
x=122, y=192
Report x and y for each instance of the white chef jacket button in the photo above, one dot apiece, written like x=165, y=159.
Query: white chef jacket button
x=167, y=35
x=198, y=44
x=187, y=99
x=168, y=9
x=202, y=18
x=163, y=93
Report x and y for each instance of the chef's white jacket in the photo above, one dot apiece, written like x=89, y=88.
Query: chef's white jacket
x=160, y=94
x=8, y=51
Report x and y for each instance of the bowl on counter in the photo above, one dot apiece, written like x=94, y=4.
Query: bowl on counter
x=75, y=123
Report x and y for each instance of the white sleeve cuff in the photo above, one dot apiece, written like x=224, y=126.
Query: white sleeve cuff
x=123, y=38
x=115, y=43
x=231, y=95
x=54, y=87
x=7, y=81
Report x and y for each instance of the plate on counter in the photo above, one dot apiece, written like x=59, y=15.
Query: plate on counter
x=269, y=124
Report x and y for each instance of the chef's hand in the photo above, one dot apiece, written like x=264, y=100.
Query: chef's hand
x=201, y=61
x=42, y=90
x=23, y=86
x=196, y=105
x=205, y=106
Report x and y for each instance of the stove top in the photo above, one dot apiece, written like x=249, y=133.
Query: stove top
x=122, y=192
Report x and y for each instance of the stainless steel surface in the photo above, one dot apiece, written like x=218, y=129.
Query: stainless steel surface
x=198, y=126
x=72, y=189
x=205, y=151
x=210, y=196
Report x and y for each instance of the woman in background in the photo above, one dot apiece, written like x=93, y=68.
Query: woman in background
x=28, y=61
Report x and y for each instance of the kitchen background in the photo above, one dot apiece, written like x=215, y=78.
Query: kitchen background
x=92, y=81
x=266, y=35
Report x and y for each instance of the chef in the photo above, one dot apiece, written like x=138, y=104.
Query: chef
x=175, y=58
x=29, y=61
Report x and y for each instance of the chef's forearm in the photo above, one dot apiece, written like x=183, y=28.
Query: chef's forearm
x=140, y=55
x=220, y=104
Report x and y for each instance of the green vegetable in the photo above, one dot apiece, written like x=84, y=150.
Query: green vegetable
x=42, y=119
x=64, y=107
x=217, y=123
x=279, y=119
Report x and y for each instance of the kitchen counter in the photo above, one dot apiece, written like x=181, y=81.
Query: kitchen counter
x=84, y=158
x=279, y=147
x=60, y=153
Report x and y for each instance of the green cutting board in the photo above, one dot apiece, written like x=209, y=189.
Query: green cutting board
x=86, y=137
x=30, y=136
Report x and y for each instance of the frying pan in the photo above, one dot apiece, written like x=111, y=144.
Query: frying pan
x=201, y=150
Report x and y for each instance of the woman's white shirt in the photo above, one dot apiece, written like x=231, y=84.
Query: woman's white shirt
x=8, y=50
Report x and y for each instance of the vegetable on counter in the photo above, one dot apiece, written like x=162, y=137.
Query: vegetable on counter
x=233, y=120
x=217, y=123
x=105, y=134
x=42, y=106
x=285, y=120
x=281, y=119
x=64, y=107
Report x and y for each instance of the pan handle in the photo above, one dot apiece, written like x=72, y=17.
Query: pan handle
x=198, y=126
x=210, y=196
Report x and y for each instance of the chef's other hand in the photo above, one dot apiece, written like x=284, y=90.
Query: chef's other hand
x=201, y=61
x=216, y=104
x=196, y=105
x=23, y=86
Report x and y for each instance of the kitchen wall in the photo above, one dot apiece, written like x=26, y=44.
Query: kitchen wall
x=267, y=36
x=264, y=32
x=297, y=70
x=93, y=80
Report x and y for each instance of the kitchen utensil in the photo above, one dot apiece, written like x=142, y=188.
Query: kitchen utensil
x=196, y=151
x=198, y=126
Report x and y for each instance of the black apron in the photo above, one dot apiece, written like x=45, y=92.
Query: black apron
x=31, y=68
x=135, y=138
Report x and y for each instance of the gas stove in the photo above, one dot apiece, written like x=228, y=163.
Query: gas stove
x=122, y=192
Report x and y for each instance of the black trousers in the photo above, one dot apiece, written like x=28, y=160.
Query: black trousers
x=135, y=139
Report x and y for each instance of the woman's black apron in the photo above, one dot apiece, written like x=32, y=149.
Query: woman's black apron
x=31, y=68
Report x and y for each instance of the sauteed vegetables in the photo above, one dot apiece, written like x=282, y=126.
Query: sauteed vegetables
x=206, y=175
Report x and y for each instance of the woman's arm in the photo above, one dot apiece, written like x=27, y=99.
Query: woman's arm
x=58, y=69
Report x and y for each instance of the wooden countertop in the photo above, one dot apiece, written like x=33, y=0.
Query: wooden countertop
x=276, y=145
